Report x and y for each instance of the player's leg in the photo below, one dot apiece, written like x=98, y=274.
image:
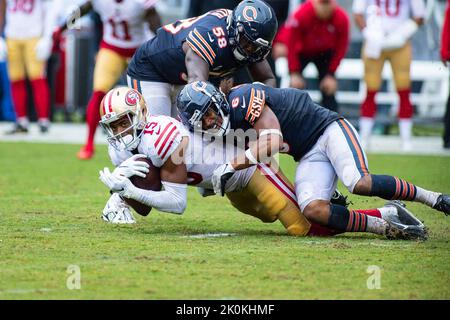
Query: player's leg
x=315, y=181
x=109, y=66
x=343, y=148
x=157, y=95
x=322, y=63
x=16, y=73
x=269, y=197
x=400, y=60
x=372, y=78
x=36, y=71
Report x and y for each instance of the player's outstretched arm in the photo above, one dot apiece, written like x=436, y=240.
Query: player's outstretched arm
x=173, y=197
x=269, y=142
x=262, y=72
x=153, y=19
x=197, y=68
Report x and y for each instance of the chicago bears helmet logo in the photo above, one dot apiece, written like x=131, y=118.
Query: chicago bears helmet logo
x=253, y=13
x=131, y=98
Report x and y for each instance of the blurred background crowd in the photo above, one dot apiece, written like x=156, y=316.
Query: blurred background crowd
x=323, y=58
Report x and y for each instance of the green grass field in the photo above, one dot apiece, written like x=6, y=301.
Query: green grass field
x=50, y=206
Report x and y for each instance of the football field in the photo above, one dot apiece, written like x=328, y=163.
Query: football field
x=53, y=244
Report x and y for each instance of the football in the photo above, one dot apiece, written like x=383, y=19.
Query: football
x=152, y=181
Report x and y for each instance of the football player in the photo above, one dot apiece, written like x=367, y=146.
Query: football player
x=214, y=45
x=125, y=28
x=325, y=145
x=187, y=158
x=387, y=27
x=28, y=46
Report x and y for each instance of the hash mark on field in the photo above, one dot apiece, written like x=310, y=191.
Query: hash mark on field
x=210, y=235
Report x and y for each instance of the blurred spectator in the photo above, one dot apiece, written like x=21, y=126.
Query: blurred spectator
x=445, y=56
x=318, y=32
x=392, y=44
x=124, y=30
x=27, y=48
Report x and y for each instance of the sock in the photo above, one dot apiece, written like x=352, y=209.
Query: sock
x=405, y=126
x=365, y=127
x=390, y=188
x=19, y=95
x=93, y=117
x=387, y=211
x=406, y=109
x=371, y=212
x=41, y=95
x=427, y=197
x=354, y=221
x=368, y=107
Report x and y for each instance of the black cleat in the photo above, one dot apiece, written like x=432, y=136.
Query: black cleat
x=339, y=199
x=399, y=231
x=17, y=130
x=443, y=204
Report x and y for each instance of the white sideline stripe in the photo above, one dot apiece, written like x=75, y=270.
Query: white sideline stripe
x=210, y=235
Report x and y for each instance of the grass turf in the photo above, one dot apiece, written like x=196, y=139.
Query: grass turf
x=49, y=220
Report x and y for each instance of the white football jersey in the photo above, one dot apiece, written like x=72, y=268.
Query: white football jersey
x=161, y=138
x=124, y=23
x=392, y=12
x=24, y=19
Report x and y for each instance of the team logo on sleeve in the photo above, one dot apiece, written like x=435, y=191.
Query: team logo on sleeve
x=131, y=98
x=250, y=13
x=235, y=102
x=255, y=106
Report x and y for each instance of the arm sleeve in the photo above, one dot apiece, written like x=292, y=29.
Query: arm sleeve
x=445, y=40
x=172, y=199
x=343, y=26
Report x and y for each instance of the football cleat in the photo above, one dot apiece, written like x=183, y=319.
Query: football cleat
x=85, y=154
x=43, y=128
x=339, y=199
x=17, y=130
x=443, y=204
x=404, y=225
x=399, y=231
x=404, y=216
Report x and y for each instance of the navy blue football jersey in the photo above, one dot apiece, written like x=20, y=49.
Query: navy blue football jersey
x=302, y=121
x=162, y=58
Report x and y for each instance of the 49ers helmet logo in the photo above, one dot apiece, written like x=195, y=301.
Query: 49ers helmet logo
x=131, y=98
x=250, y=16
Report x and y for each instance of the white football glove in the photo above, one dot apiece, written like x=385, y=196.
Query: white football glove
x=115, y=183
x=220, y=177
x=44, y=48
x=117, y=211
x=3, y=50
x=131, y=167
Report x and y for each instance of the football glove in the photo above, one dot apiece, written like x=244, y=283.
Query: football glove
x=115, y=183
x=117, y=211
x=132, y=167
x=220, y=177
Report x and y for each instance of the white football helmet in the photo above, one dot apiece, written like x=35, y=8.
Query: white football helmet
x=119, y=103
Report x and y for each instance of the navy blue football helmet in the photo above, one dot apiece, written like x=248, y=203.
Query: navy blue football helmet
x=252, y=27
x=200, y=100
